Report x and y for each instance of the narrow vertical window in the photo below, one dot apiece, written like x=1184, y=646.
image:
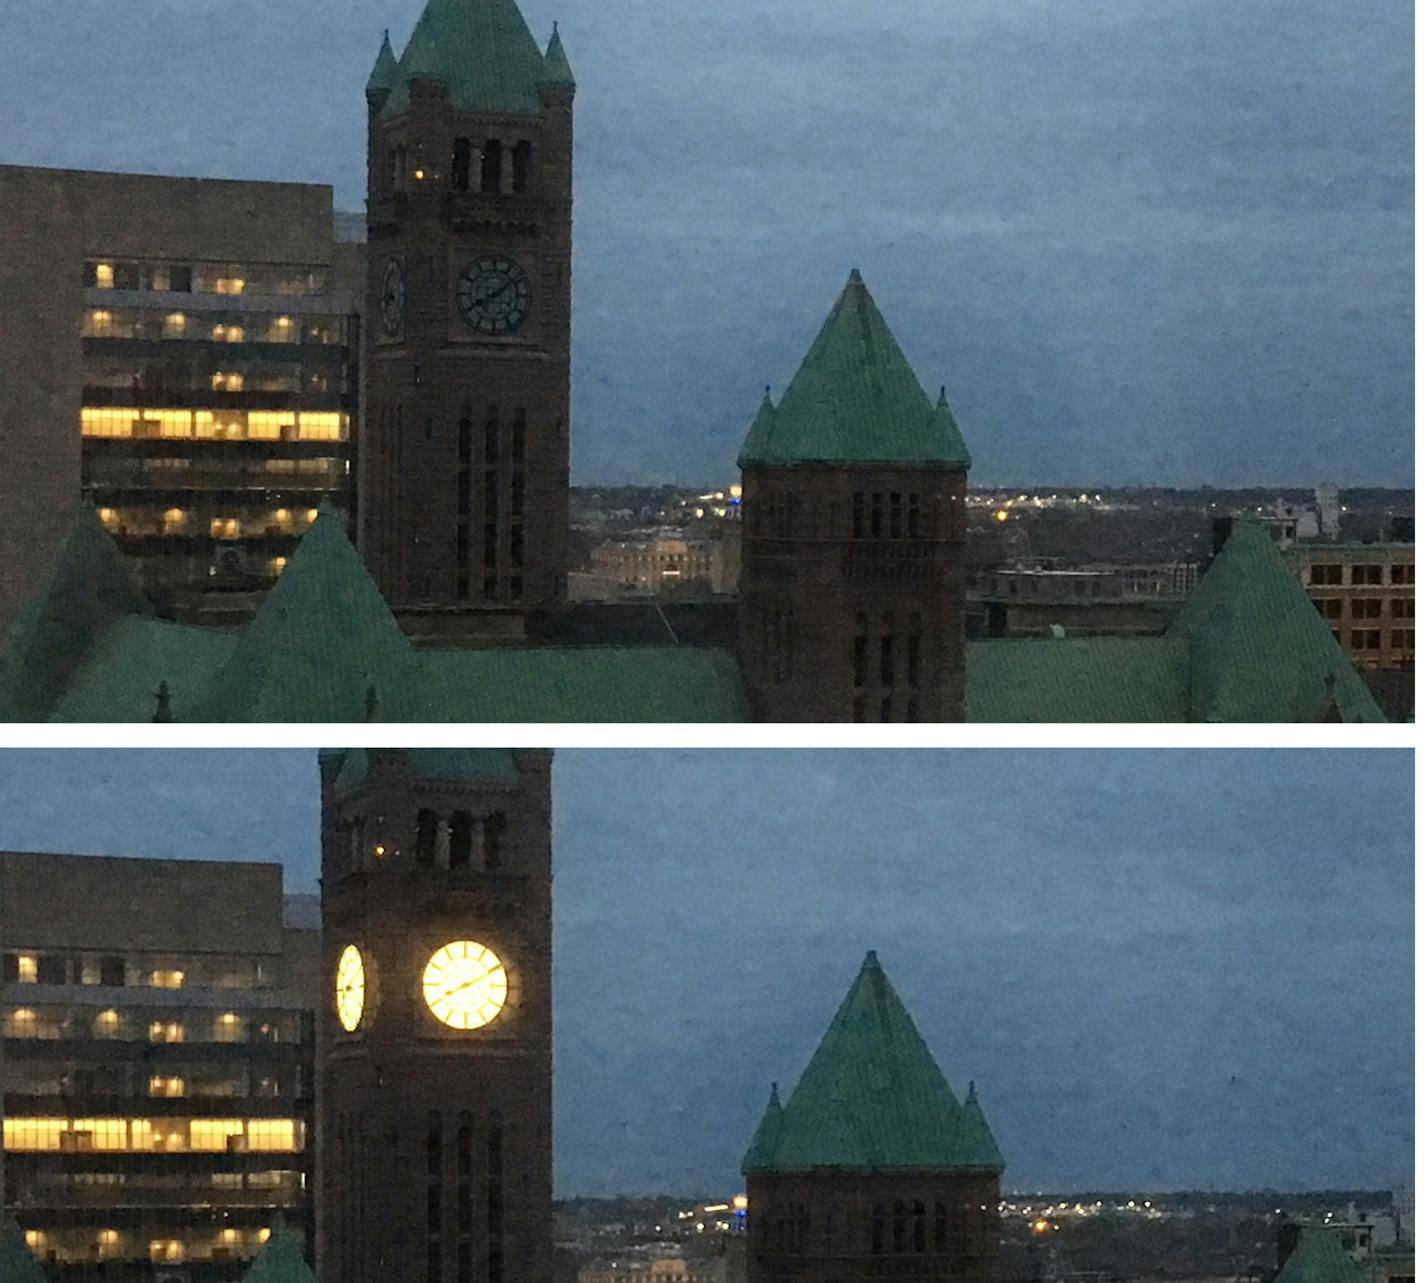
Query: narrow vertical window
x=491, y=162
x=877, y=515
x=425, y=822
x=894, y=514
x=941, y=1229
x=462, y=830
x=494, y=1187
x=523, y=155
x=460, y=165
x=433, y=1197
x=494, y=830
x=857, y=514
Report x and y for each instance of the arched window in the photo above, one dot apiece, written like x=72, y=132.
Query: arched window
x=523, y=156
x=491, y=162
x=460, y=165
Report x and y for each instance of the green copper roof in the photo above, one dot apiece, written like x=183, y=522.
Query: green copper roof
x=324, y=647
x=89, y=585
x=481, y=49
x=761, y=1153
x=1260, y=651
x=1076, y=679
x=977, y=1146
x=557, y=71
x=17, y=1262
x=872, y=1097
x=280, y=1261
x=584, y=684
x=433, y=764
x=383, y=74
x=1320, y=1257
x=855, y=399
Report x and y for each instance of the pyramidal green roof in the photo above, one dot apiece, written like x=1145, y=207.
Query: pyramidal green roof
x=1260, y=651
x=383, y=74
x=324, y=646
x=17, y=1262
x=1319, y=1257
x=855, y=399
x=557, y=71
x=482, y=50
x=872, y=1098
x=88, y=587
x=280, y=1261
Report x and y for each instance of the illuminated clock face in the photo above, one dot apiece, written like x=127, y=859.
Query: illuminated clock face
x=465, y=984
x=493, y=295
x=350, y=988
x=392, y=298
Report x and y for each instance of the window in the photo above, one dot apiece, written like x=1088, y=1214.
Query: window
x=1368, y=574
x=491, y=162
x=1401, y=608
x=460, y=165
x=495, y=827
x=859, y=651
x=27, y=967
x=1365, y=639
x=1366, y=608
x=1402, y=639
x=857, y=509
x=1402, y=574
x=1329, y=608
x=50, y=969
x=1329, y=573
x=521, y=168
x=215, y=1135
x=462, y=830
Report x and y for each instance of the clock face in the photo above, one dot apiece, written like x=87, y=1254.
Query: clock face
x=392, y=298
x=465, y=984
x=350, y=988
x=493, y=295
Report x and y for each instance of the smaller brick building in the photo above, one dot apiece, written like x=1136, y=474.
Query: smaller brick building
x=873, y=1169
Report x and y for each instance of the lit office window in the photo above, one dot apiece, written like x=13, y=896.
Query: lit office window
x=104, y=276
x=214, y=1134
x=166, y=979
x=273, y=1135
x=322, y=427
x=29, y=968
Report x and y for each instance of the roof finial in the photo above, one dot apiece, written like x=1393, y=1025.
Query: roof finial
x=943, y=399
x=971, y=1096
x=164, y=711
x=870, y=959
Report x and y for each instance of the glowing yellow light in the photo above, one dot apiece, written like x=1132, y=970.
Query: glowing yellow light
x=311, y=515
x=174, y=516
x=1040, y=1227
x=107, y=1238
x=230, y=1236
x=284, y=321
x=380, y=848
x=107, y=515
x=740, y=1202
x=263, y=1235
x=420, y=173
x=1001, y=515
x=283, y=514
x=34, y=1238
x=175, y=320
x=350, y=988
x=736, y=492
x=465, y=984
x=109, y=1017
x=279, y=564
x=29, y=968
x=104, y=275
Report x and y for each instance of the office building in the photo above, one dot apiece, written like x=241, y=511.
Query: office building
x=156, y=1052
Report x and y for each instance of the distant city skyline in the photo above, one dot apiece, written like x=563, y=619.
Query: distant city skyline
x=1140, y=244
x=1151, y=963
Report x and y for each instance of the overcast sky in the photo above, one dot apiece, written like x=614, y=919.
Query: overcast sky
x=1162, y=969
x=1140, y=242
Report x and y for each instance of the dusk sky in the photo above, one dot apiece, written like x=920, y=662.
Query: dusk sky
x=1140, y=242
x=1162, y=969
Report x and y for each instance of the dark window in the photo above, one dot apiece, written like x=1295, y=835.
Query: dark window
x=857, y=514
x=491, y=161
x=1365, y=639
x=516, y=495
x=50, y=969
x=180, y=278
x=1366, y=608
x=877, y=515
x=516, y=587
x=425, y=826
x=894, y=514
x=492, y=435
x=126, y=276
x=877, y=1228
x=491, y=587
x=1402, y=574
x=494, y=1182
x=899, y=1237
x=886, y=710
x=460, y=165
x=1402, y=608
x=462, y=493
x=887, y=656
x=433, y=1191
x=491, y=547
x=462, y=829
x=859, y=653
x=941, y=1229
x=1402, y=639
x=10, y=969
x=523, y=154
x=912, y=517
x=1369, y=574
x=1329, y=608
x=465, y=434
x=857, y=708
x=495, y=828
x=919, y=1227
x=516, y=546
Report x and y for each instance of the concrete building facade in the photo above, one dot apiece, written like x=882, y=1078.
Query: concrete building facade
x=156, y=1053
x=183, y=351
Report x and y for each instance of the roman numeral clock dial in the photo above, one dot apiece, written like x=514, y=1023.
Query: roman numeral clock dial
x=465, y=984
x=493, y=294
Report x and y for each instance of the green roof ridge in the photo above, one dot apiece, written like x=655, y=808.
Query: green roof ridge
x=383, y=74
x=762, y=1150
x=855, y=399
x=1260, y=652
x=872, y=1096
x=17, y=1262
x=322, y=644
x=1320, y=1257
x=89, y=586
x=557, y=71
x=482, y=50
x=280, y=1261
x=432, y=764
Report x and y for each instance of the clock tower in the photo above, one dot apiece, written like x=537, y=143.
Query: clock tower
x=464, y=450
x=435, y=1164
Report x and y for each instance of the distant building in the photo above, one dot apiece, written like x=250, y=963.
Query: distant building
x=1404, y=1212
x=665, y=562
x=663, y=1269
x=184, y=351
x=1365, y=593
x=1024, y=601
x=156, y=1053
x=873, y=1169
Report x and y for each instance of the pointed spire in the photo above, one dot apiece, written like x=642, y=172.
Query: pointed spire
x=557, y=72
x=872, y=1097
x=280, y=1260
x=761, y=1153
x=383, y=75
x=855, y=399
x=977, y=1146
